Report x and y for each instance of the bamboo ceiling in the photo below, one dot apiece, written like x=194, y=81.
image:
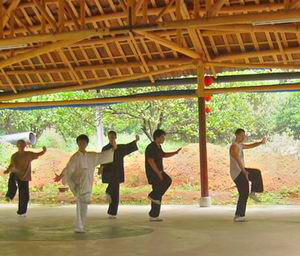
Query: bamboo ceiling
x=85, y=44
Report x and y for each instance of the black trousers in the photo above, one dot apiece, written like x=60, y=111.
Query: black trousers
x=13, y=184
x=159, y=188
x=113, y=189
x=242, y=185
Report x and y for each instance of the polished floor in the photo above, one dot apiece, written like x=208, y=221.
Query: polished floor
x=186, y=230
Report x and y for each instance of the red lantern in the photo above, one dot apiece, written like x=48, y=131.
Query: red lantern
x=208, y=80
x=207, y=110
x=207, y=98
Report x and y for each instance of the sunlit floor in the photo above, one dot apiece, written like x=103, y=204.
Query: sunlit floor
x=186, y=230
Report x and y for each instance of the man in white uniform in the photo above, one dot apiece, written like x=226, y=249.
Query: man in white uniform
x=242, y=175
x=79, y=175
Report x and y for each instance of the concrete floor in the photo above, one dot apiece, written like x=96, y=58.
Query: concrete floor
x=186, y=230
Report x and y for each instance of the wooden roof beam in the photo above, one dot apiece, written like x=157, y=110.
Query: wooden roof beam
x=250, y=28
x=214, y=10
x=152, y=63
x=72, y=15
x=254, y=54
x=231, y=20
x=92, y=19
x=94, y=85
x=171, y=45
x=150, y=11
x=42, y=50
x=7, y=12
x=1, y=18
x=253, y=66
x=164, y=10
x=294, y=4
x=95, y=101
x=44, y=13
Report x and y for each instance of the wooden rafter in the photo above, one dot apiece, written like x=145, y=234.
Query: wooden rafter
x=214, y=10
x=94, y=85
x=171, y=45
x=13, y=5
x=44, y=13
x=164, y=10
x=41, y=50
x=1, y=18
x=61, y=15
x=72, y=15
x=227, y=31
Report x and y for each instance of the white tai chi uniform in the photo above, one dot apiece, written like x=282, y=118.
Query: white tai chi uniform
x=79, y=175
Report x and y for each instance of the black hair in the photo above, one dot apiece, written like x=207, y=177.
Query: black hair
x=83, y=137
x=21, y=141
x=113, y=133
x=239, y=131
x=157, y=133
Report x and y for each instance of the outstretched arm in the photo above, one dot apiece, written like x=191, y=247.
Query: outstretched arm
x=71, y=165
x=170, y=154
x=129, y=147
x=37, y=155
x=254, y=145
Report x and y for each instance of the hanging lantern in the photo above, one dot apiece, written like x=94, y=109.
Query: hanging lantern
x=207, y=98
x=207, y=110
x=208, y=80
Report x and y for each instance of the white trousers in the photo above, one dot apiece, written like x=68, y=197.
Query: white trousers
x=81, y=212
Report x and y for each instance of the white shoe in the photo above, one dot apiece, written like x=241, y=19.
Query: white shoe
x=254, y=197
x=22, y=215
x=154, y=200
x=112, y=217
x=79, y=230
x=108, y=198
x=155, y=219
x=239, y=219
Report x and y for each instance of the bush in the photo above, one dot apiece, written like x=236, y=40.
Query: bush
x=6, y=150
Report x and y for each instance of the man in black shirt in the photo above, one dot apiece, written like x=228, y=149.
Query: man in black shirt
x=156, y=176
x=113, y=173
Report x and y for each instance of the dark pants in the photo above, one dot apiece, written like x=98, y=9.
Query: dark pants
x=243, y=188
x=159, y=188
x=113, y=190
x=23, y=192
x=12, y=186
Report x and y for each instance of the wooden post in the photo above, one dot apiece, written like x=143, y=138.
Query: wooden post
x=145, y=11
x=61, y=15
x=1, y=19
x=196, y=8
x=205, y=200
x=82, y=13
x=178, y=18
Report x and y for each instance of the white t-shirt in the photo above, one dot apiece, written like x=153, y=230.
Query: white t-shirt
x=235, y=169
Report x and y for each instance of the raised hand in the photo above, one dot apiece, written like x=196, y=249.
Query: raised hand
x=57, y=178
x=263, y=141
x=178, y=150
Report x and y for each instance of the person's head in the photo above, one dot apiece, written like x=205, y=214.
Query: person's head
x=21, y=145
x=240, y=135
x=112, y=136
x=82, y=142
x=159, y=136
